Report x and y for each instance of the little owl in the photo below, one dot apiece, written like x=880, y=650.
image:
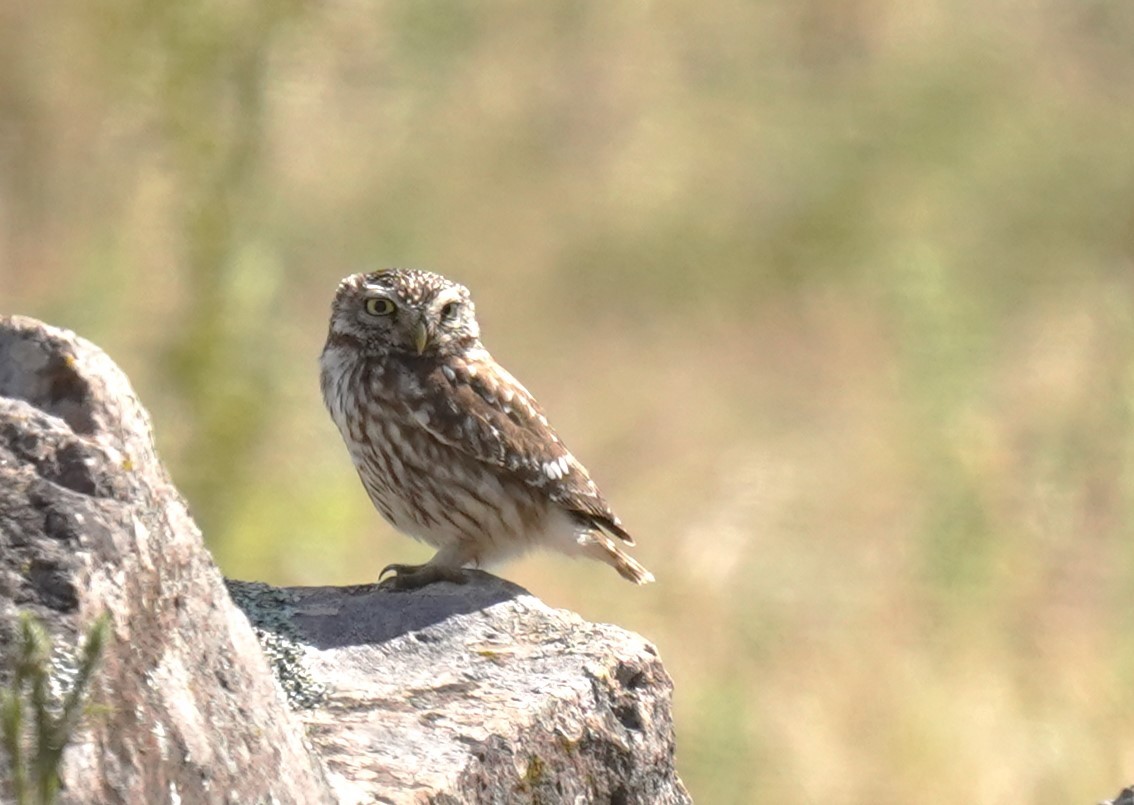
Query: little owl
x=450, y=447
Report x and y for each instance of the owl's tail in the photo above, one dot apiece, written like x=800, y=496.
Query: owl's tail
x=601, y=547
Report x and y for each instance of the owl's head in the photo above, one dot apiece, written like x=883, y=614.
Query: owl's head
x=405, y=310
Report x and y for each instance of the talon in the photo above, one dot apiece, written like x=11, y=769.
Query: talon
x=397, y=570
x=413, y=577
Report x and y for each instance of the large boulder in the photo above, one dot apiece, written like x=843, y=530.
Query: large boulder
x=90, y=523
x=454, y=693
x=469, y=693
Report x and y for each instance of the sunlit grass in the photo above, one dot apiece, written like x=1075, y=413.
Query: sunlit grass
x=41, y=707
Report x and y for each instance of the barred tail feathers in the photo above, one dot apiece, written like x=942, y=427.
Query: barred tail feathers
x=601, y=547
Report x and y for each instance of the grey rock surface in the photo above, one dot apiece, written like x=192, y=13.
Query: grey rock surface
x=450, y=694
x=89, y=522
x=470, y=693
x=1125, y=797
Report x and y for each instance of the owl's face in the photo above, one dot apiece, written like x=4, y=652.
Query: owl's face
x=405, y=311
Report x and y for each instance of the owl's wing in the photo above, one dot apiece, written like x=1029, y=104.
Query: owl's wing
x=476, y=406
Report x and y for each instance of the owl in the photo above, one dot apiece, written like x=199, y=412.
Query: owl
x=451, y=449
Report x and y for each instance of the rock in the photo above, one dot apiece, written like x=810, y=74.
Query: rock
x=1125, y=797
x=454, y=693
x=89, y=522
x=469, y=693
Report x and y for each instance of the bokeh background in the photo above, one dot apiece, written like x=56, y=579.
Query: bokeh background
x=836, y=299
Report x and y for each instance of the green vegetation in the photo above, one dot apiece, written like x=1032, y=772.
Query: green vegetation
x=836, y=300
x=36, y=724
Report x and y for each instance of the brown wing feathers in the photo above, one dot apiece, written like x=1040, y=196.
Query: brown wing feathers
x=481, y=409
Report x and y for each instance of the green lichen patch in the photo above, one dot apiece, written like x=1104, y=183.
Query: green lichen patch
x=269, y=610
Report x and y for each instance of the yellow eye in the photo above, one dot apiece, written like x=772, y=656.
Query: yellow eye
x=379, y=306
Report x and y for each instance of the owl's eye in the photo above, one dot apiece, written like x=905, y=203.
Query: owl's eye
x=379, y=306
x=449, y=312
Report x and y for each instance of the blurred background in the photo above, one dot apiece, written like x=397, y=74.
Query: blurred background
x=835, y=299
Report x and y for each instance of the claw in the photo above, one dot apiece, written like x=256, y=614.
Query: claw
x=413, y=577
x=398, y=570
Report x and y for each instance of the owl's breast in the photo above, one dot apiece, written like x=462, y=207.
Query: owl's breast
x=423, y=486
x=439, y=495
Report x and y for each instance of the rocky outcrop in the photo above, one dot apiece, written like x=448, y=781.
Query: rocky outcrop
x=472, y=693
x=454, y=693
x=90, y=523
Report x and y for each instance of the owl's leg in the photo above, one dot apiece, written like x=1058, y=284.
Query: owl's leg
x=444, y=566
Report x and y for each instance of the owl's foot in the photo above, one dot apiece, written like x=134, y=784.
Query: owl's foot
x=414, y=577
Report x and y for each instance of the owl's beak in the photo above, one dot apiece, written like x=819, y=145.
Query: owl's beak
x=420, y=336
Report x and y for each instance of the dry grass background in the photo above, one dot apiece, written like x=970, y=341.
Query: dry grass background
x=835, y=299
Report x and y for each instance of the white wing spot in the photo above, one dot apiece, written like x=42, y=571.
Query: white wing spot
x=422, y=416
x=449, y=373
x=564, y=466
